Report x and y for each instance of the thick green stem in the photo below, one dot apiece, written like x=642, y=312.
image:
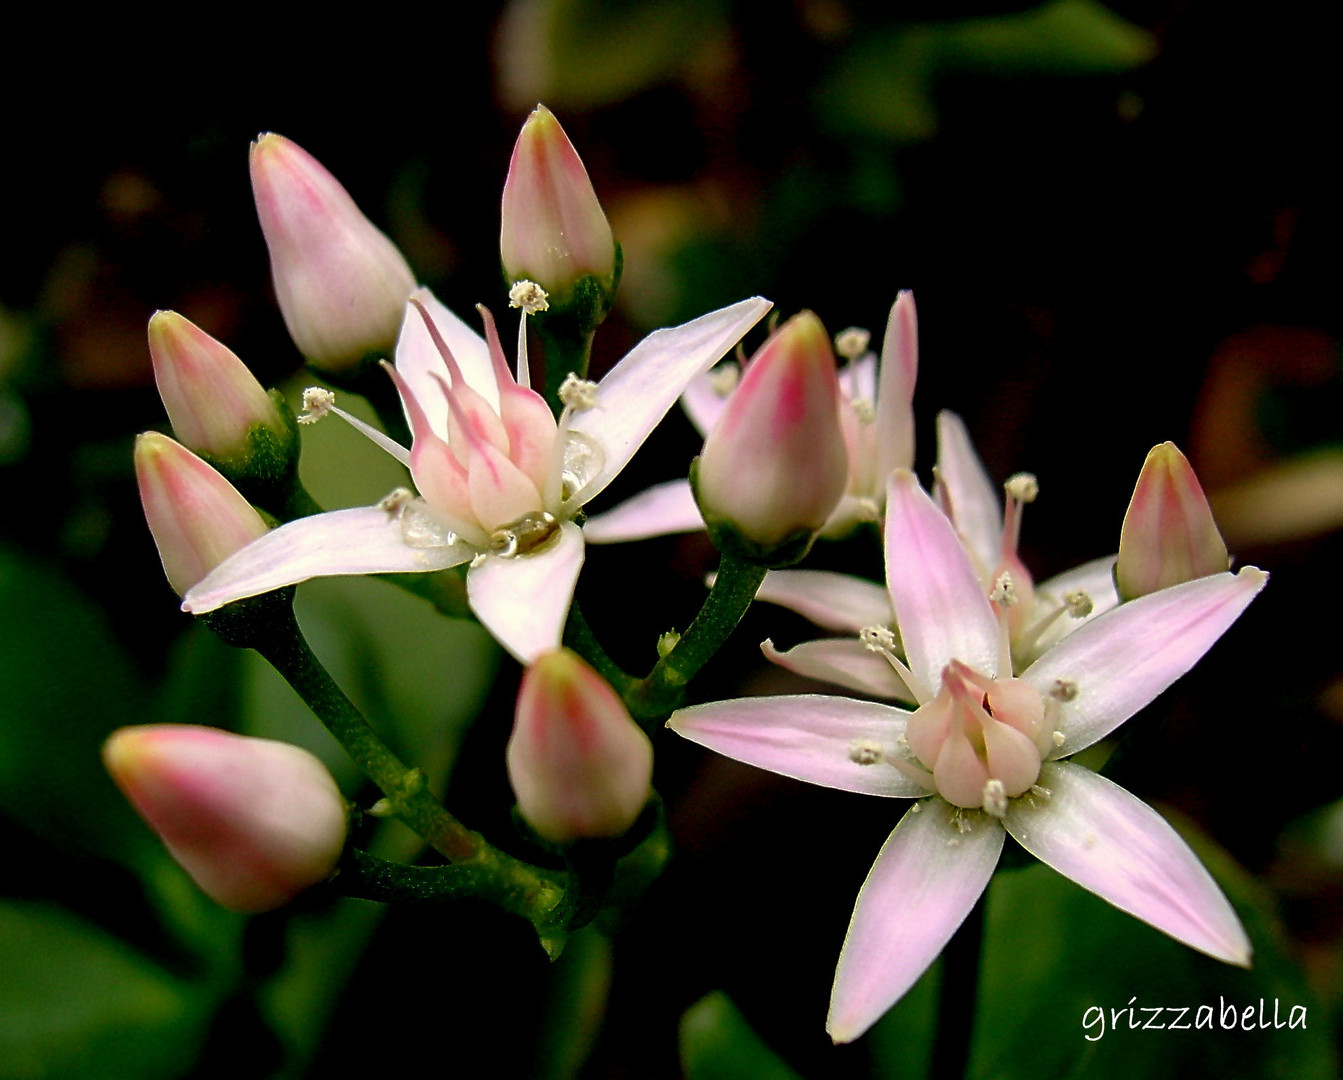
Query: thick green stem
x=957, y=997
x=578, y=636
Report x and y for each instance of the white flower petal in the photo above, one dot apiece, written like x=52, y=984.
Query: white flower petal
x=846, y=662
x=662, y=509
x=1119, y=662
x=809, y=737
x=639, y=390
x=972, y=496
x=363, y=540
x=418, y=359
x=939, y=600
x=925, y=881
x=895, y=398
x=703, y=402
x=1119, y=848
x=524, y=600
x=835, y=601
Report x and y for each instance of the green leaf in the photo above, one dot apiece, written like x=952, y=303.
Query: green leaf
x=718, y=1044
x=77, y=1003
x=1066, y=37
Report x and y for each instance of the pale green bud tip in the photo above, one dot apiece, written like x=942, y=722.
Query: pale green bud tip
x=776, y=464
x=579, y=765
x=553, y=229
x=1169, y=535
x=253, y=821
x=197, y=518
x=211, y=397
x=342, y=285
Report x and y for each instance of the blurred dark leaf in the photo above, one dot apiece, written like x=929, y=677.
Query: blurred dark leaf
x=718, y=1044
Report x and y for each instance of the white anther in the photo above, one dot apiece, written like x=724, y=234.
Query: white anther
x=394, y=501
x=865, y=752
x=1022, y=487
x=578, y=394
x=475, y=562
x=317, y=402
x=865, y=510
x=1058, y=738
x=864, y=410
x=994, y=799
x=852, y=343
x=1063, y=690
x=529, y=296
x=877, y=639
x=724, y=378
x=1078, y=602
x=1004, y=591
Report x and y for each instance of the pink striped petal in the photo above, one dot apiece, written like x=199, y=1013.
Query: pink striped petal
x=364, y=540
x=524, y=600
x=639, y=390
x=834, y=601
x=419, y=363
x=806, y=736
x=939, y=602
x=845, y=662
x=971, y=497
x=661, y=510
x=925, y=881
x=1119, y=662
x=1119, y=848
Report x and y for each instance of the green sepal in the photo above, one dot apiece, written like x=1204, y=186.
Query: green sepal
x=264, y=468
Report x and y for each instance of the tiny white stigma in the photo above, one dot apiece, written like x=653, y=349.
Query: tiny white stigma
x=1022, y=486
x=396, y=500
x=318, y=401
x=1063, y=690
x=529, y=296
x=852, y=343
x=994, y=799
x=578, y=394
x=724, y=379
x=866, y=752
x=864, y=410
x=1004, y=591
x=878, y=639
x=1078, y=602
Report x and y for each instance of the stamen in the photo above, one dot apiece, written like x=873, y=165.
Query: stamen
x=1078, y=603
x=866, y=752
x=1004, y=591
x=1057, y=738
x=877, y=639
x=724, y=379
x=880, y=639
x=318, y=402
x=852, y=343
x=578, y=394
x=529, y=296
x=995, y=798
x=393, y=502
x=1022, y=487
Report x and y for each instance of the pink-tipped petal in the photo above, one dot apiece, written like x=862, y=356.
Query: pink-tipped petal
x=639, y=390
x=418, y=359
x=1119, y=848
x=834, y=601
x=939, y=601
x=971, y=497
x=1118, y=663
x=363, y=540
x=845, y=662
x=661, y=510
x=925, y=881
x=810, y=737
x=895, y=394
x=524, y=600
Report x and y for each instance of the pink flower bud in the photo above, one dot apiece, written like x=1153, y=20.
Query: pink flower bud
x=580, y=767
x=775, y=464
x=197, y=517
x=211, y=397
x=253, y=821
x=342, y=285
x=1169, y=535
x=554, y=231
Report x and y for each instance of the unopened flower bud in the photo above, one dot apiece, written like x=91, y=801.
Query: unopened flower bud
x=253, y=821
x=197, y=517
x=579, y=766
x=212, y=399
x=342, y=285
x=554, y=231
x=1169, y=535
x=775, y=464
